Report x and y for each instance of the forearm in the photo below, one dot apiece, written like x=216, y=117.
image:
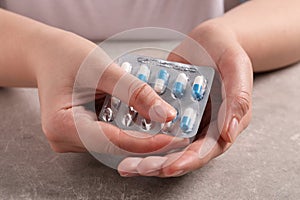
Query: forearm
x=28, y=48
x=268, y=30
x=18, y=38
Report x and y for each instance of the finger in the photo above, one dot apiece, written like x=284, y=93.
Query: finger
x=102, y=137
x=149, y=166
x=136, y=93
x=196, y=154
x=193, y=157
x=128, y=167
x=237, y=76
x=190, y=160
x=99, y=73
x=172, y=165
x=128, y=142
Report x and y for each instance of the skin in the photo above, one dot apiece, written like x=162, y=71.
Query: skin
x=260, y=35
x=53, y=70
x=257, y=36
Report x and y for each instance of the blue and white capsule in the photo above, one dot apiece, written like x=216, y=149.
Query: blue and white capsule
x=187, y=120
x=143, y=73
x=161, y=81
x=180, y=85
x=115, y=102
x=199, y=87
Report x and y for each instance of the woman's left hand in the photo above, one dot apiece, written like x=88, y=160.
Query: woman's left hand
x=234, y=113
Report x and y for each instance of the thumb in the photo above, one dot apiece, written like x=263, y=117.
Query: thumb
x=136, y=93
x=236, y=71
x=235, y=112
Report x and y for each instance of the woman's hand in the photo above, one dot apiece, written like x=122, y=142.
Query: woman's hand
x=71, y=72
x=234, y=113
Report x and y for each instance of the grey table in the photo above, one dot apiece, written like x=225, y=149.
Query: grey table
x=263, y=163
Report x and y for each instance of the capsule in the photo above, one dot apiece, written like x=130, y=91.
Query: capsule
x=143, y=73
x=187, y=120
x=180, y=85
x=161, y=81
x=199, y=87
x=127, y=67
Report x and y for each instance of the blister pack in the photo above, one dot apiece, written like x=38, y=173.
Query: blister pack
x=185, y=87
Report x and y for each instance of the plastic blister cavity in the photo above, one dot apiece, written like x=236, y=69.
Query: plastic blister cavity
x=185, y=87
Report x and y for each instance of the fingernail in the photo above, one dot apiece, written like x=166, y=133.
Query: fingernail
x=152, y=173
x=233, y=129
x=172, y=112
x=127, y=168
x=124, y=174
x=162, y=112
x=127, y=174
x=177, y=173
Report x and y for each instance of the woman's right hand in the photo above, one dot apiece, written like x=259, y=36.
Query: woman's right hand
x=70, y=72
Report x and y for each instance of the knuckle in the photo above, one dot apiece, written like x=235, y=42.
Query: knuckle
x=56, y=126
x=243, y=103
x=143, y=95
x=58, y=148
x=49, y=129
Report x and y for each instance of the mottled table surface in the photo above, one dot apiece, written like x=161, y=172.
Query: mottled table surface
x=264, y=163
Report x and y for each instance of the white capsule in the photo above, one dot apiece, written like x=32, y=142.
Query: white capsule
x=187, y=120
x=180, y=85
x=161, y=81
x=143, y=73
x=199, y=87
x=127, y=67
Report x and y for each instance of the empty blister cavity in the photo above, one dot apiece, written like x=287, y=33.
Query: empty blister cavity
x=143, y=73
x=199, y=87
x=161, y=81
x=180, y=85
x=107, y=115
x=128, y=120
x=146, y=124
x=130, y=117
x=187, y=120
x=132, y=112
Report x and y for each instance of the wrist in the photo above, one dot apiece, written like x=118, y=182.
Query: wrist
x=216, y=37
x=57, y=53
